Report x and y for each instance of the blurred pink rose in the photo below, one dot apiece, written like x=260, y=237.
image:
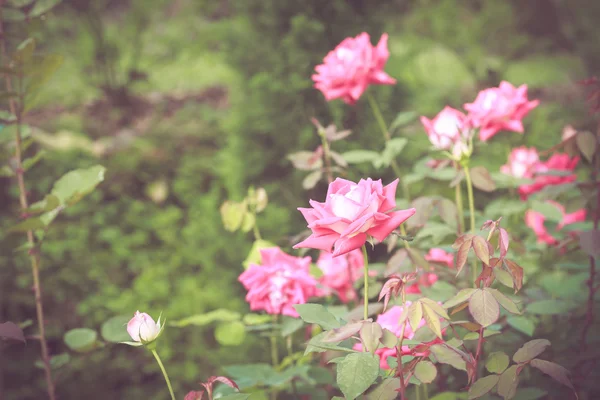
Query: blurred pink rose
x=440, y=256
x=351, y=213
x=142, y=328
x=522, y=162
x=278, y=283
x=449, y=130
x=339, y=273
x=351, y=67
x=535, y=221
x=558, y=162
x=500, y=108
x=426, y=279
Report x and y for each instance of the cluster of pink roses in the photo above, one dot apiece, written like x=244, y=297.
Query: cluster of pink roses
x=494, y=110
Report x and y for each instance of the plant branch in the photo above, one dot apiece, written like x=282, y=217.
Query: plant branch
x=164, y=372
x=471, y=200
x=34, y=255
x=399, y=369
x=366, y=284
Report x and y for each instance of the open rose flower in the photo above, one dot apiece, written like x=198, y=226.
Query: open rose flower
x=535, y=221
x=351, y=67
x=449, y=130
x=339, y=273
x=350, y=214
x=142, y=328
x=389, y=320
x=500, y=108
x=522, y=163
x=278, y=283
x=543, y=176
x=440, y=256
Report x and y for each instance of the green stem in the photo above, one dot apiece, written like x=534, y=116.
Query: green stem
x=164, y=371
x=387, y=137
x=418, y=392
x=366, y=285
x=274, y=354
x=471, y=213
x=459, y=207
x=425, y=392
x=255, y=230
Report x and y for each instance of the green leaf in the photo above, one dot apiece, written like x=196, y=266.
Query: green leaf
x=81, y=339
x=484, y=307
x=25, y=50
x=318, y=344
x=254, y=254
x=522, y=324
x=57, y=361
x=504, y=208
x=557, y=372
x=425, y=371
x=230, y=333
x=403, y=119
x=356, y=373
x=481, y=249
x=389, y=339
x=386, y=390
x=218, y=315
x=482, y=179
x=311, y=180
x=393, y=148
x=19, y=3
x=49, y=203
x=114, y=330
x=589, y=242
x=531, y=350
x=30, y=162
x=508, y=383
x=10, y=14
x=360, y=156
x=503, y=277
x=74, y=185
x=530, y=394
x=449, y=396
x=232, y=215
x=370, y=335
x=235, y=396
x=549, y=307
x=317, y=314
x=586, y=143
x=446, y=355
x=435, y=307
x=290, y=325
x=10, y=330
x=415, y=315
x=504, y=301
x=548, y=210
x=497, y=362
x=39, y=71
x=475, y=335
x=461, y=297
x=432, y=320
x=483, y=386
x=30, y=224
x=42, y=6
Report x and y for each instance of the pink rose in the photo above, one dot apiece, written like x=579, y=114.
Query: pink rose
x=535, y=221
x=426, y=279
x=558, y=162
x=351, y=213
x=522, y=163
x=351, y=67
x=339, y=273
x=143, y=328
x=278, y=283
x=500, y=108
x=439, y=256
x=449, y=130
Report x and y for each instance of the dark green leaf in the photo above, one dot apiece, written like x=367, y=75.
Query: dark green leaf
x=497, y=362
x=10, y=330
x=522, y=324
x=29, y=224
x=356, y=373
x=557, y=372
x=483, y=386
x=484, y=307
x=81, y=339
x=531, y=350
x=114, y=330
x=43, y=6
x=508, y=383
x=219, y=315
x=425, y=371
x=317, y=314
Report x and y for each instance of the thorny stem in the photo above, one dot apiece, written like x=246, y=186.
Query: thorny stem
x=399, y=367
x=387, y=137
x=366, y=284
x=471, y=214
x=33, y=253
x=327, y=156
x=589, y=318
x=478, y=352
x=459, y=204
x=164, y=372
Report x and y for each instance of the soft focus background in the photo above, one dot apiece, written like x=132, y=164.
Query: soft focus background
x=188, y=102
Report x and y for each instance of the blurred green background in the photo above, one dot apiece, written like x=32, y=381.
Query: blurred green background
x=188, y=102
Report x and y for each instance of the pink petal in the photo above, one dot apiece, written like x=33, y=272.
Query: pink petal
x=346, y=245
x=380, y=232
x=323, y=242
x=389, y=191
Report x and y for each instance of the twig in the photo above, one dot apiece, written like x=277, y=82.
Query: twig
x=34, y=256
x=399, y=368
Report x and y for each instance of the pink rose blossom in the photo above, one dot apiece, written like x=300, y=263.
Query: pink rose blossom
x=449, y=130
x=339, y=273
x=143, y=328
x=426, y=279
x=535, y=221
x=439, y=256
x=278, y=283
x=558, y=162
x=522, y=163
x=501, y=108
x=351, y=67
x=351, y=213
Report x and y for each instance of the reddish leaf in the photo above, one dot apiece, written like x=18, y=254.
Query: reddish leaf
x=482, y=251
x=461, y=239
x=462, y=254
x=222, y=379
x=194, y=395
x=10, y=330
x=503, y=241
x=517, y=274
